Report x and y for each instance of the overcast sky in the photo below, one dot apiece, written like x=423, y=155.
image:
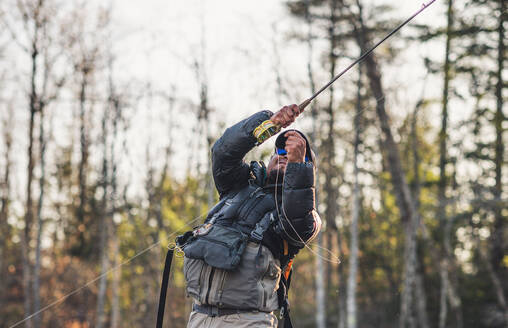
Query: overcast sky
x=159, y=40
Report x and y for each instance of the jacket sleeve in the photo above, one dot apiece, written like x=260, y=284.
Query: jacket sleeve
x=229, y=170
x=300, y=221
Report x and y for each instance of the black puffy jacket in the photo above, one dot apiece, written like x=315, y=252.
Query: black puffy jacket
x=296, y=196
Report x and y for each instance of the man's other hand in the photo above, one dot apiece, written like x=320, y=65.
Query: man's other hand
x=286, y=115
x=295, y=146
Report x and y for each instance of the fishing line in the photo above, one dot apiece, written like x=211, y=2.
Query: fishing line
x=292, y=227
x=63, y=298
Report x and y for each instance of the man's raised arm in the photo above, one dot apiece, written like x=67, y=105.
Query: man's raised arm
x=229, y=170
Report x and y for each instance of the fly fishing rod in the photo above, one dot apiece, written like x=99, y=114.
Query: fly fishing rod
x=267, y=129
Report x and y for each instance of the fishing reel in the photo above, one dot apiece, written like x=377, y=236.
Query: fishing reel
x=268, y=129
x=265, y=130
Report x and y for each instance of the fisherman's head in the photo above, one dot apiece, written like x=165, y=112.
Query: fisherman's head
x=278, y=162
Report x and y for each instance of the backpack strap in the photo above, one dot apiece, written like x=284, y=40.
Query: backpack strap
x=164, y=287
x=256, y=235
x=282, y=294
x=284, y=284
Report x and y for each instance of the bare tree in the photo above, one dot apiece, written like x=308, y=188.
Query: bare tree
x=329, y=167
x=38, y=42
x=204, y=111
x=42, y=181
x=499, y=244
x=419, y=291
x=446, y=222
x=84, y=70
x=353, y=257
x=5, y=195
x=115, y=284
x=170, y=99
x=116, y=102
x=85, y=40
x=405, y=203
x=105, y=220
x=320, y=272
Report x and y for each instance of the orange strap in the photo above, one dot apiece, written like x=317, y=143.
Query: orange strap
x=290, y=263
x=288, y=269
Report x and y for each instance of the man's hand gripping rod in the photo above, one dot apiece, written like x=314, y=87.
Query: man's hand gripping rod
x=268, y=128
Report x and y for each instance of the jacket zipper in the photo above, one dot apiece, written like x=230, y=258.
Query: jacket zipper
x=210, y=280
x=201, y=278
x=265, y=296
x=221, y=289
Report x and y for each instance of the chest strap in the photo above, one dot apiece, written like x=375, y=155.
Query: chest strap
x=262, y=226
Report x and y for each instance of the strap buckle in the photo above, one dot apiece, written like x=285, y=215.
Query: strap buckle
x=261, y=227
x=214, y=311
x=257, y=233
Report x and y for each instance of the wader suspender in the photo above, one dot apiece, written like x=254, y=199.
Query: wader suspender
x=164, y=287
x=283, y=300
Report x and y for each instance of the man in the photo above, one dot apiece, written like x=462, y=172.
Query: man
x=237, y=265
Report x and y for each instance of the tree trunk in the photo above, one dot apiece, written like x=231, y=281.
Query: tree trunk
x=83, y=163
x=26, y=281
x=25, y=240
x=342, y=321
x=404, y=201
x=167, y=159
x=204, y=116
x=115, y=285
x=153, y=271
x=407, y=316
x=104, y=226
x=498, y=240
x=37, y=268
x=115, y=303
x=421, y=301
x=498, y=285
x=420, y=294
x=329, y=167
x=101, y=297
x=5, y=193
x=498, y=271
x=319, y=265
x=353, y=256
x=320, y=288
x=441, y=214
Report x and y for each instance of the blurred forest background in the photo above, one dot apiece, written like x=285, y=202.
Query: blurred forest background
x=102, y=166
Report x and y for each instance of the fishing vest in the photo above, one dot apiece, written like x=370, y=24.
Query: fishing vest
x=240, y=217
x=228, y=261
